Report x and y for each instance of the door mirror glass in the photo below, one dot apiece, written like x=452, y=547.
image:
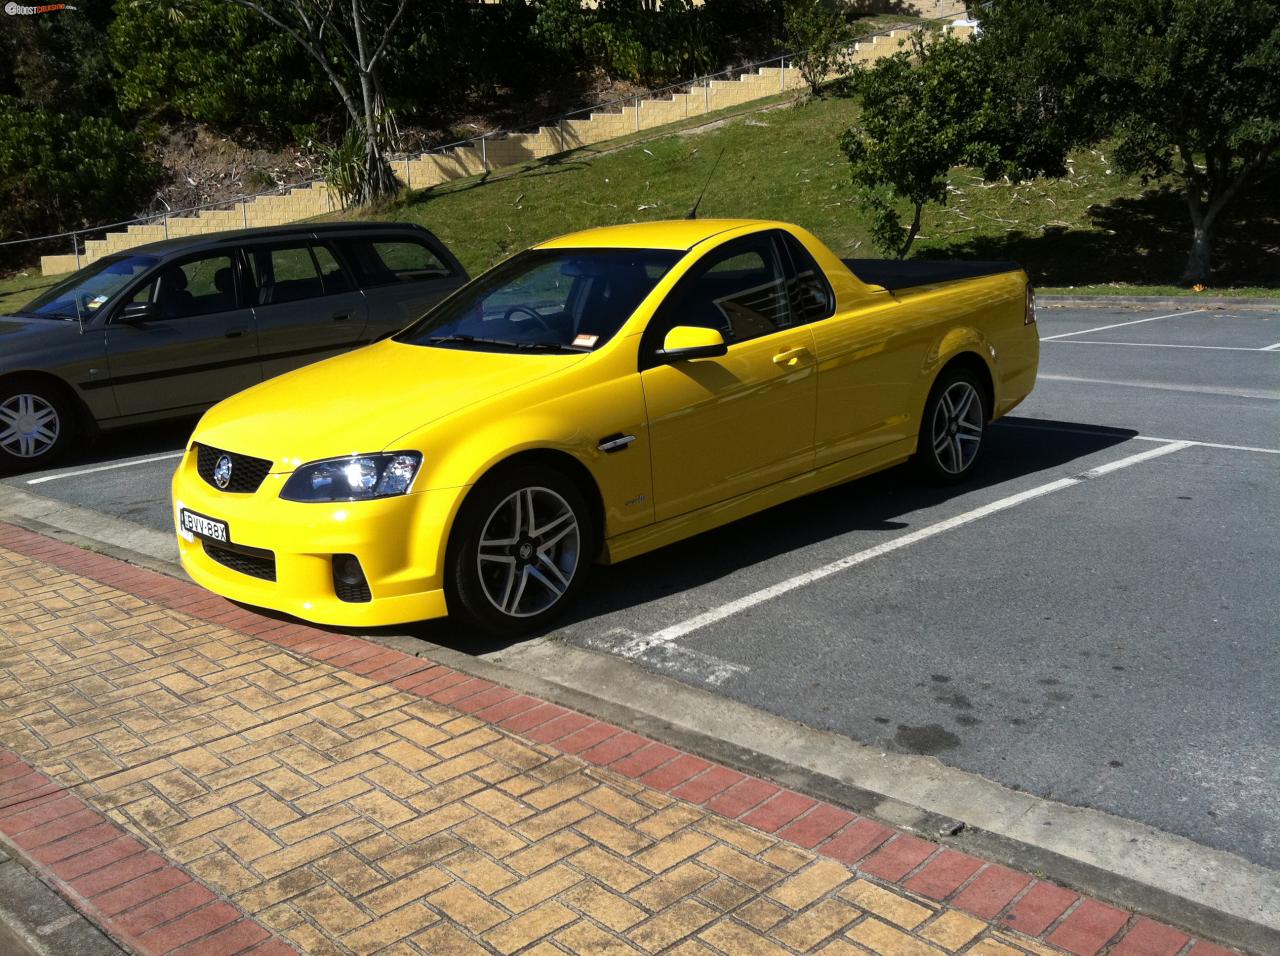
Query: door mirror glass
x=137, y=312
x=686, y=342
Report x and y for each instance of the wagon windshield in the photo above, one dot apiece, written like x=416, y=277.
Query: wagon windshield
x=83, y=293
x=545, y=300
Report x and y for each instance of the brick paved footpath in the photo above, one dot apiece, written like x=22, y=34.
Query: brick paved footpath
x=199, y=779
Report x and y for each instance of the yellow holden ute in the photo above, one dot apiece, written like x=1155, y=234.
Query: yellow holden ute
x=593, y=398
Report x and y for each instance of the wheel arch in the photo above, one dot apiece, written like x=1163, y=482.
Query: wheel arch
x=84, y=417
x=975, y=363
x=559, y=460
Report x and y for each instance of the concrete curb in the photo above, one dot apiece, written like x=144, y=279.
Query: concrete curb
x=1240, y=303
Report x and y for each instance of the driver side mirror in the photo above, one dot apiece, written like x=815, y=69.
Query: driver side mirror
x=691, y=342
x=137, y=312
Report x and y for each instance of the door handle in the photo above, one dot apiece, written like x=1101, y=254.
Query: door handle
x=341, y=316
x=790, y=356
x=236, y=333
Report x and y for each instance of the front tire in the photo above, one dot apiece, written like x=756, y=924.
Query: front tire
x=953, y=429
x=519, y=551
x=38, y=424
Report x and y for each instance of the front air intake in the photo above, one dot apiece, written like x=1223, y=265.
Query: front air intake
x=349, y=582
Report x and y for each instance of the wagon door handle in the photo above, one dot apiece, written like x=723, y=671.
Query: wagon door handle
x=341, y=316
x=236, y=333
x=790, y=356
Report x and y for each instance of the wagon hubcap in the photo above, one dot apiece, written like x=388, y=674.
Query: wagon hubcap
x=29, y=426
x=957, y=427
x=529, y=552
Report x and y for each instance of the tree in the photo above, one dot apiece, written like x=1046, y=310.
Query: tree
x=225, y=67
x=817, y=33
x=60, y=172
x=345, y=40
x=1186, y=88
x=919, y=109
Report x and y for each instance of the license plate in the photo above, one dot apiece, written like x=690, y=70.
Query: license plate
x=203, y=527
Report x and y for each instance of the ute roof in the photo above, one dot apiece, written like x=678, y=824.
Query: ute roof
x=680, y=234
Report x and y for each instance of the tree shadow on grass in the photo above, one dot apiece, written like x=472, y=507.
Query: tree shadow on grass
x=1140, y=240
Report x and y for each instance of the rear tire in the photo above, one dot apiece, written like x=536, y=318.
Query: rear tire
x=953, y=429
x=38, y=424
x=519, y=551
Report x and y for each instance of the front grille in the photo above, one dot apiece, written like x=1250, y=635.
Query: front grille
x=247, y=474
x=254, y=562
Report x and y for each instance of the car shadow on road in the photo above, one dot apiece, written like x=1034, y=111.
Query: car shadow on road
x=1018, y=448
x=135, y=441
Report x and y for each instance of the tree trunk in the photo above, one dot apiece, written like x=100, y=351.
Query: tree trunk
x=1204, y=224
x=912, y=232
x=378, y=179
x=1197, y=270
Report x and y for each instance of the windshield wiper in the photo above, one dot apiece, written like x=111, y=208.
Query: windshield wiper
x=550, y=347
x=468, y=340
x=505, y=343
x=59, y=316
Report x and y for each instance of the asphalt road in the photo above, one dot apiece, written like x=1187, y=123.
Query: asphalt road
x=1108, y=642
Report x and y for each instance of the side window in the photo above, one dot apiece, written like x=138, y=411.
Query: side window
x=285, y=274
x=203, y=286
x=332, y=275
x=811, y=297
x=386, y=261
x=739, y=289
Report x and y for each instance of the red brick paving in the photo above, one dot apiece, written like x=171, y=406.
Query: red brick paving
x=77, y=852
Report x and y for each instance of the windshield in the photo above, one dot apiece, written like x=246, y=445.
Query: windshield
x=549, y=300
x=89, y=289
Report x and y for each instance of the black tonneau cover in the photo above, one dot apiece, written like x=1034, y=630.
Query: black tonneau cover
x=896, y=274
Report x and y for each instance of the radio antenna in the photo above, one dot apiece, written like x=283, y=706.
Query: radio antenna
x=693, y=213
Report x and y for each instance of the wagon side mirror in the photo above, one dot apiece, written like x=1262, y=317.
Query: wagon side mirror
x=686, y=342
x=136, y=313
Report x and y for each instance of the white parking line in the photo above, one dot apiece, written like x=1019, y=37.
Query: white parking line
x=1271, y=348
x=1102, y=433
x=93, y=471
x=641, y=645
x=1264, y=394
x=1117, y=325
x=671, y=658
x=1162, y=345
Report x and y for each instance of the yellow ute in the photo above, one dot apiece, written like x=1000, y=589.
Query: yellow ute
x=593, y=398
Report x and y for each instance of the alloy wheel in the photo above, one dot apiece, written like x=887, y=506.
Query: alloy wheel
x=29, y=425
x=957, y=427
x=529, y=552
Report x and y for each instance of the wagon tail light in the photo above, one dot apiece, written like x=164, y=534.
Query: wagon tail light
x=1029, y=318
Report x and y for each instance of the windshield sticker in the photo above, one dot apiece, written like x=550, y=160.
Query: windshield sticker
x=586, y=341
x=96, y=301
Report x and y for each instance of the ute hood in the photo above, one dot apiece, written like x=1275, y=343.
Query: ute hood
x=364, y=401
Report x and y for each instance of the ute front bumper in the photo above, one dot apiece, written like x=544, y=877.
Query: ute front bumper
x=399, y=543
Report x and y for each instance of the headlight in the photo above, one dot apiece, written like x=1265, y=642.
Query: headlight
x=357, y=478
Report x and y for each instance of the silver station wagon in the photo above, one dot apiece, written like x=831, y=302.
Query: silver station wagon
x=167, y=329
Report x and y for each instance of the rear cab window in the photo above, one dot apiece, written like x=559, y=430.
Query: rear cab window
x=812, y=298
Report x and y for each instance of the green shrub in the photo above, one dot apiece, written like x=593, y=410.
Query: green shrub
x=59, y=172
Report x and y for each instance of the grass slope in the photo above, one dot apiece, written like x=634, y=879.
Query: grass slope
x=1094, y=231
